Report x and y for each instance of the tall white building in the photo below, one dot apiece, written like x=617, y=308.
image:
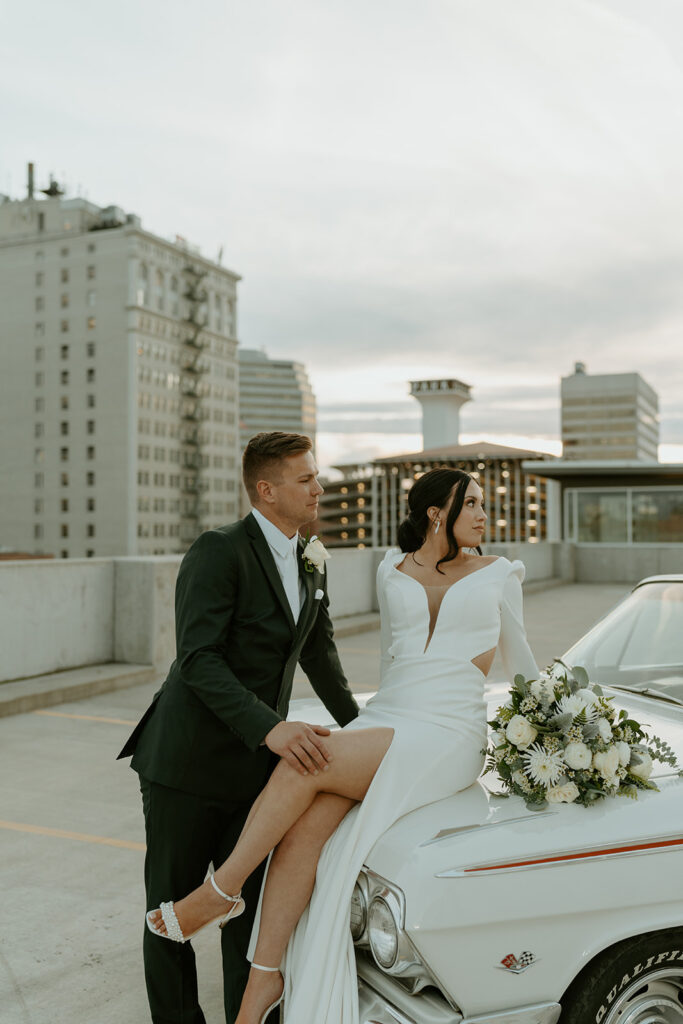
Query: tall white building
x=609, y=416
x=275, y=394
x=118, y=383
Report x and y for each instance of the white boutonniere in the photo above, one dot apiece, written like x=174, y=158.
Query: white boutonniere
x=314, y=555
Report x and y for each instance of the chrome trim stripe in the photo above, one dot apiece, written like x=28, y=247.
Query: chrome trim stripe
x=670, y=844
x=541, y=1013
x=446, y=833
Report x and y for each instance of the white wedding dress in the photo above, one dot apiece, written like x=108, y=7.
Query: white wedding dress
x=432, y=696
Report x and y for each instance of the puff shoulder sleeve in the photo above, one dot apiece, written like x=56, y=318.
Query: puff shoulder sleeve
x=514, y=648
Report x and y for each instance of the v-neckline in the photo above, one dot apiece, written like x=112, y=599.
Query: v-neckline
x=448, y=587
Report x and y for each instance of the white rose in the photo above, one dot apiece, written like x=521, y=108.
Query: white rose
x=587, y=696
x=624, y=752
x=543, y=689
x=606, y=763
x=577, y=755
x=644, y=769
x=520, y=732
x=605, y=730
x=316, y=553
x=565, y=794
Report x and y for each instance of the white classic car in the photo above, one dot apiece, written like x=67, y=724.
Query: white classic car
x=475, y=910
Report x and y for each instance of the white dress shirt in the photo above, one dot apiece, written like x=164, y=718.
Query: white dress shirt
x=286, y=556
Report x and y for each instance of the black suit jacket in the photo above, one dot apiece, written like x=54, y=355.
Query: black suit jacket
x=237, y=647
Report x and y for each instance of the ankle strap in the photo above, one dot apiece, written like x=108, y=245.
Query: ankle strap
x=259, y=967
x=231, y=899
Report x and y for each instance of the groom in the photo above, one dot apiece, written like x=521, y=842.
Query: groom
x=249, y=607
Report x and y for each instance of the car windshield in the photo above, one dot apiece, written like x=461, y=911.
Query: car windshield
x=639, y=643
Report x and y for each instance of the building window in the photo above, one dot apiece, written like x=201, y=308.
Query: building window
x=39, y=279
x=63, y=553
x=64, y=428
x=39, y=353
x=90, y=273
x=39, y=330
x=64, y=326
x=64, y=505
x=64, y=376
x=38, y=430
x=40, y=405
x=91, y=298
x=40, y=302
x=657, y=517
x=90, y=401
x=91, y=247
x=64, y=454
x=39, y=379
x=63, y=252
x=602, y=517
x=64, y=479
x=64, y=401
x=39, y=455
x=90, y=348
x=90, y=375
x=64, y=530
x=90, y=452
x=90, y=479
x=37, y=531
x=38, y=479
x=64, y=351
x=90, y=530
x=64, y=275
x=91, y=323
x=90, y=504
x=90, y=553
x=90, y=427
x=38, y=506
x=64, y=300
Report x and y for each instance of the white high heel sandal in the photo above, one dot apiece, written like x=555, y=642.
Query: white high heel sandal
x=277, y=1002
x=173, y=930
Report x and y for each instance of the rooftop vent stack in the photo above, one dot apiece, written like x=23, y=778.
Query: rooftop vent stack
x=579, y=368
x=441, y=401
x=30, y=181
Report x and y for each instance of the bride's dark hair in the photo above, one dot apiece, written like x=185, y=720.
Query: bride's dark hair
x=434, y=488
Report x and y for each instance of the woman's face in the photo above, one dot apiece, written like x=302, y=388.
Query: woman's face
x=468, y=528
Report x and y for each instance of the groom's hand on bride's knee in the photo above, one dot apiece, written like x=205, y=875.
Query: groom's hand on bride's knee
x=300, y=745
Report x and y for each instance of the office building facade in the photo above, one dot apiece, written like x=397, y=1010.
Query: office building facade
x=274, y=394
x=118, y=396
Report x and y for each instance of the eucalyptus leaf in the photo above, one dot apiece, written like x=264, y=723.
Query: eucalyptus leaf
x=590, y=730
x=580, y=675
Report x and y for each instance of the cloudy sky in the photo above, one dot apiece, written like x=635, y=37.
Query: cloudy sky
x=474, y=188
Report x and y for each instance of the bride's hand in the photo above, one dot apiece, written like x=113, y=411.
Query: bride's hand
x=300, y=745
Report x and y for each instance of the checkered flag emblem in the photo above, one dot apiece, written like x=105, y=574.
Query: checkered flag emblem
x=518, y=964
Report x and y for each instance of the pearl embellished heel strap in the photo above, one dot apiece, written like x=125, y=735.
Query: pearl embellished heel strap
x=173, y=930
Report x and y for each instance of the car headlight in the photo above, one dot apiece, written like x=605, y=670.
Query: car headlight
x=382, y=933
x=359, y=912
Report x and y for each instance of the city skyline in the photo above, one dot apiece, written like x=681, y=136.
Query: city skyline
x=483, y=192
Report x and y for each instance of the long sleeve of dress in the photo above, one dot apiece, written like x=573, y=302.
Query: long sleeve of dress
x=513, y=644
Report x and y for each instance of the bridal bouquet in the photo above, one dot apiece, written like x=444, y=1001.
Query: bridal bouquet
x=561, y=740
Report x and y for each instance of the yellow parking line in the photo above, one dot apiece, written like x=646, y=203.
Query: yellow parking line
x=87, y=718
x=81, y=837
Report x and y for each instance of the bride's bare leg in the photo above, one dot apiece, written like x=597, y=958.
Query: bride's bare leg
x=289, y=885
x=356, y=755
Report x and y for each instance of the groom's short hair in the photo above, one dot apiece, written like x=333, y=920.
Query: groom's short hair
x=263, y=453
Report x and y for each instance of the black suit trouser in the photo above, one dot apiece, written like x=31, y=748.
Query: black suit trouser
x=184, y=834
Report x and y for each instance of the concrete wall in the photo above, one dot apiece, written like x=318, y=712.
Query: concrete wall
x=596, y=563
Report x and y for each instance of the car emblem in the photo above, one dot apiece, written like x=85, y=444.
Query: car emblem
x=517, y=965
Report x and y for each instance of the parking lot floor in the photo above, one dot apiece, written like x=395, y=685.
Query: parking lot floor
x=72, y=840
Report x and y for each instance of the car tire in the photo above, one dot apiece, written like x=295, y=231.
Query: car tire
x=638, y=979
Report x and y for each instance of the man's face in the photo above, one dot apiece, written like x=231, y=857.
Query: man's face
x=295, y=490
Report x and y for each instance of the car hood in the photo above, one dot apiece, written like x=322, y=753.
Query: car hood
x=480, y=826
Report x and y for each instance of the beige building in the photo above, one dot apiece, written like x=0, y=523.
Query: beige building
x=275, y=394
x=609, y=416
x=118, y=391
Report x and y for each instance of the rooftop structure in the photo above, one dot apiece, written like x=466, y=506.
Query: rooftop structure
x=441, y=401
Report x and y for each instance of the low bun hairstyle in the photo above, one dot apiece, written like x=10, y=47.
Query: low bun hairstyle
x=434, y=488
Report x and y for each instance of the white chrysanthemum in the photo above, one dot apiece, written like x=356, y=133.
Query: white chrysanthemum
x=604, y=730
x=578, y=756
x=543, y=766
x=573, y=704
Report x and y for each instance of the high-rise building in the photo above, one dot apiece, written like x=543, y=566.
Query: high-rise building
x=609, y=416
x=118, y=383
x=274, y=394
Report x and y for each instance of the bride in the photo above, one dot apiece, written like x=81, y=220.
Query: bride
x=444, y=611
